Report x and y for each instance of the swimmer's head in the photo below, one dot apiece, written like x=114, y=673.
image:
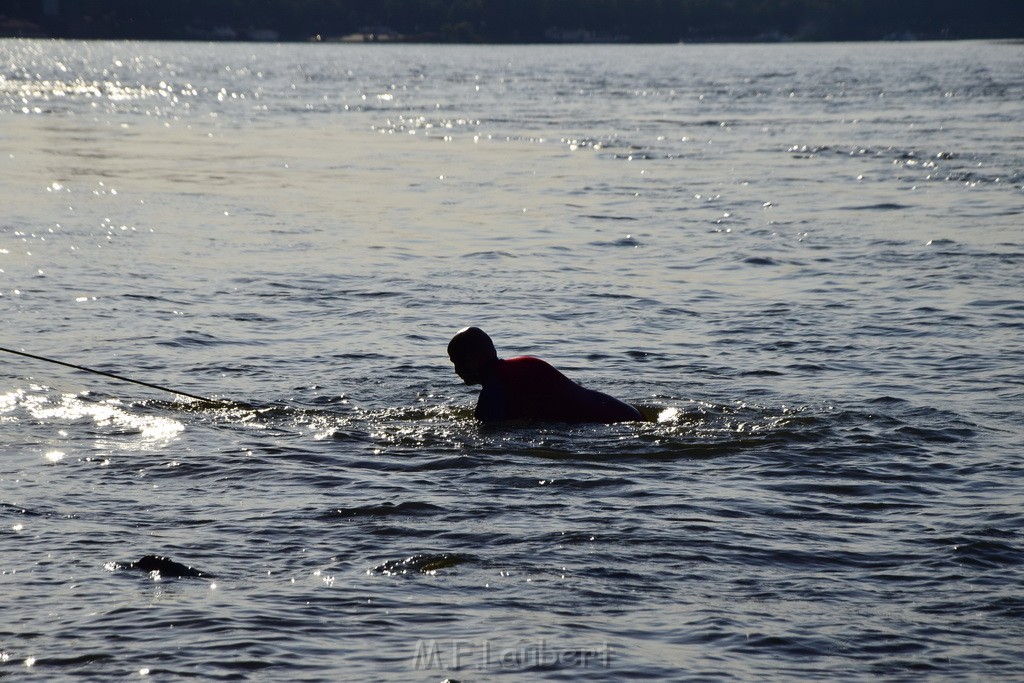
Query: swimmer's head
x=472, y=352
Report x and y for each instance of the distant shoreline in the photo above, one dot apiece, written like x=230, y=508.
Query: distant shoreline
x=348, y=40
x=527, y=22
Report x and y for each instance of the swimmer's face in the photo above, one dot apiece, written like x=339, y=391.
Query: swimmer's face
x=462, y=368
x=466, y=368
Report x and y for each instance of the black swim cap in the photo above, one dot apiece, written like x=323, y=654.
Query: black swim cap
x=469, y=341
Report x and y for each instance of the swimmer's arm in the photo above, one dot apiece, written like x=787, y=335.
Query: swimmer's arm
x=492, y=404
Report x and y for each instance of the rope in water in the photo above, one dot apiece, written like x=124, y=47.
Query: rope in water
x=112, y=376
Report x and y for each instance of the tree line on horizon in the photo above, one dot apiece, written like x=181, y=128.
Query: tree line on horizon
x=524, y=21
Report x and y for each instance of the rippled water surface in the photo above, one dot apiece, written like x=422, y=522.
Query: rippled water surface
x=804, y=262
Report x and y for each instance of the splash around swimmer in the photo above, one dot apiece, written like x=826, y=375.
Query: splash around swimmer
x=528, y=388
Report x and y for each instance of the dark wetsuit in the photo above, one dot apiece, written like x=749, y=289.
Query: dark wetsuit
x=527, y=388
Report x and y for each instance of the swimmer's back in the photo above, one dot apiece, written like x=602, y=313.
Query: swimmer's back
x=528, y=388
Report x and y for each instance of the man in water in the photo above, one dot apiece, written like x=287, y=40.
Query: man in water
x=527, y=388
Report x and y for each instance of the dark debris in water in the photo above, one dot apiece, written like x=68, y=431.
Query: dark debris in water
x=424, y=563
x=385, y=510
x=995, y=550
x=162, y=567
x=17, y=510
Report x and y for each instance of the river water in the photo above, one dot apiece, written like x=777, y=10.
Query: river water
x=804, y=262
